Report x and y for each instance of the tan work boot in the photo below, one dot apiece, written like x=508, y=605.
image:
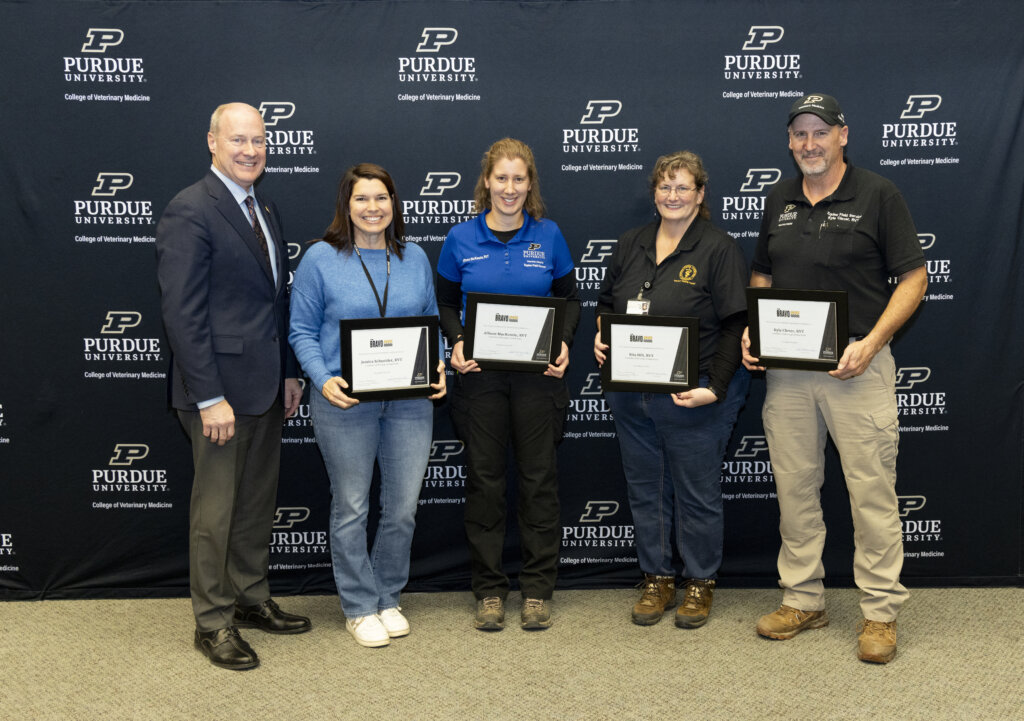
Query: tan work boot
x=877, y=641
x=693, y=612
x=788, y=622
x=659, y=595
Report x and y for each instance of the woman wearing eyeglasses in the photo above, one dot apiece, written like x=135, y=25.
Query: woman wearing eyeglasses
x=672, y=444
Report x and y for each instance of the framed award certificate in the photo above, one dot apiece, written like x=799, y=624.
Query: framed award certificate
x=803, y=329
x=650, y=353
x=387, y=358
x=513, y=332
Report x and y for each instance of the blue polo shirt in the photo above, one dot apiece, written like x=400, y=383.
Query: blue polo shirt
x=473, y=257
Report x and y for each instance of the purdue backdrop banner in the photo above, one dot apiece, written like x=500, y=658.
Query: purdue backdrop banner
x=106, y=108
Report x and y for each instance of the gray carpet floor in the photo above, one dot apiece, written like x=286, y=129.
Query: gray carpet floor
x=961, y=656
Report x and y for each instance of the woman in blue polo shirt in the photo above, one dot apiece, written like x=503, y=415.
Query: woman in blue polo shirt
x=672, y=444
x=509, y=248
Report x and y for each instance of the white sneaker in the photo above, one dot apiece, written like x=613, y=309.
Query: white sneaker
x=395, y=623
x=368, y=631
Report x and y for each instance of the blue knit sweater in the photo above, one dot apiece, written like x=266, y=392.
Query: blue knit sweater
x=331, y=285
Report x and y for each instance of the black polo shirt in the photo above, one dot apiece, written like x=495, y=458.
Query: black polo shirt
x=853, y=240
x=704, y=277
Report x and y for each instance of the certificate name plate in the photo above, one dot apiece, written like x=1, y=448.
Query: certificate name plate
x=650, y=353
x=388, y=358
x=513, y=332
x=802, y=329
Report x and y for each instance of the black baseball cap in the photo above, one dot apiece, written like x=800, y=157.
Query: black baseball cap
x=824, y=106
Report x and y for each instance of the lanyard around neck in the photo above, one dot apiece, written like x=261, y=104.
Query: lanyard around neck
x=383, y=307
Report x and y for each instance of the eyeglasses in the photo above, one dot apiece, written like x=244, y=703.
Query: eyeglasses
x=679, y=190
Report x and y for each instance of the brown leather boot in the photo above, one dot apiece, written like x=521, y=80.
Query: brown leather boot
x=693, y=612
x=877, y=641
x=659, y=595
x=787, y=622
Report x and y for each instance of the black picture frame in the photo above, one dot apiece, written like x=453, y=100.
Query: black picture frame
x=687, y=354
x=833, y=336
x=424, y=365
x=547, y=345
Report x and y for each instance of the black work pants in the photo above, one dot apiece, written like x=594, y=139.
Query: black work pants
x=489, y=409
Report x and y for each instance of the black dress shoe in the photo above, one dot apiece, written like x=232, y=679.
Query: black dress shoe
x=225, y=648
x=268, y=617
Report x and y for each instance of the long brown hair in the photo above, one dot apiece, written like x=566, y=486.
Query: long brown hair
x=340, y=232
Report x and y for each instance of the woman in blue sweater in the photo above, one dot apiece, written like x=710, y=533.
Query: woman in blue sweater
x=362, y=268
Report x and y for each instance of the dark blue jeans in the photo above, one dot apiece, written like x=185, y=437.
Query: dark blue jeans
x=672, y=460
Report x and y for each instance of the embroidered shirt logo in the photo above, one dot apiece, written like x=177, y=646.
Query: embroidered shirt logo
x=687, y=274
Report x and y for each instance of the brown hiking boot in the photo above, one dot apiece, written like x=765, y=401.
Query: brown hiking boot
x=536, y=614
x=788, y=622
x=877, y=641
x=490, y=614
x=693, y=612
x=659, y=595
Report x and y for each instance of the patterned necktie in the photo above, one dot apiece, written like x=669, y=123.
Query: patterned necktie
x=259, y=231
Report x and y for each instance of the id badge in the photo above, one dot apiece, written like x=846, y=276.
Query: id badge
x=635, y=306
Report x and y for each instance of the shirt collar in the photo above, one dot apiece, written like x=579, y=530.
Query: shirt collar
x=847, y=186
x=692, y=235
x=688, y=242
x=490, y=236
x=237, y=191
x=847, y=189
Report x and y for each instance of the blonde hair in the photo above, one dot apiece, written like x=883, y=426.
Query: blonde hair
x=512, y=149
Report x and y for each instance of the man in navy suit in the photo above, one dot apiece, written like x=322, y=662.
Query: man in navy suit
x=223, y=271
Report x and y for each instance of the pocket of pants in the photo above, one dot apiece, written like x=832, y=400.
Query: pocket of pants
x=885, y=418
x=887, y=447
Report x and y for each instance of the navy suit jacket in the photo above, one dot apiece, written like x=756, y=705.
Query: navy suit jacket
x=226, y=320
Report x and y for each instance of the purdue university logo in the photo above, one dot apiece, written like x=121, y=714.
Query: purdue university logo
x=97, y=40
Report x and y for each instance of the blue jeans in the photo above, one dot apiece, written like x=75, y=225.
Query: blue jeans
x=397, y=435
x=672, y=460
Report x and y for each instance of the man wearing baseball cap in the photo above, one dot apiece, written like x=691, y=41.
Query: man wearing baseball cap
x=839, y=228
